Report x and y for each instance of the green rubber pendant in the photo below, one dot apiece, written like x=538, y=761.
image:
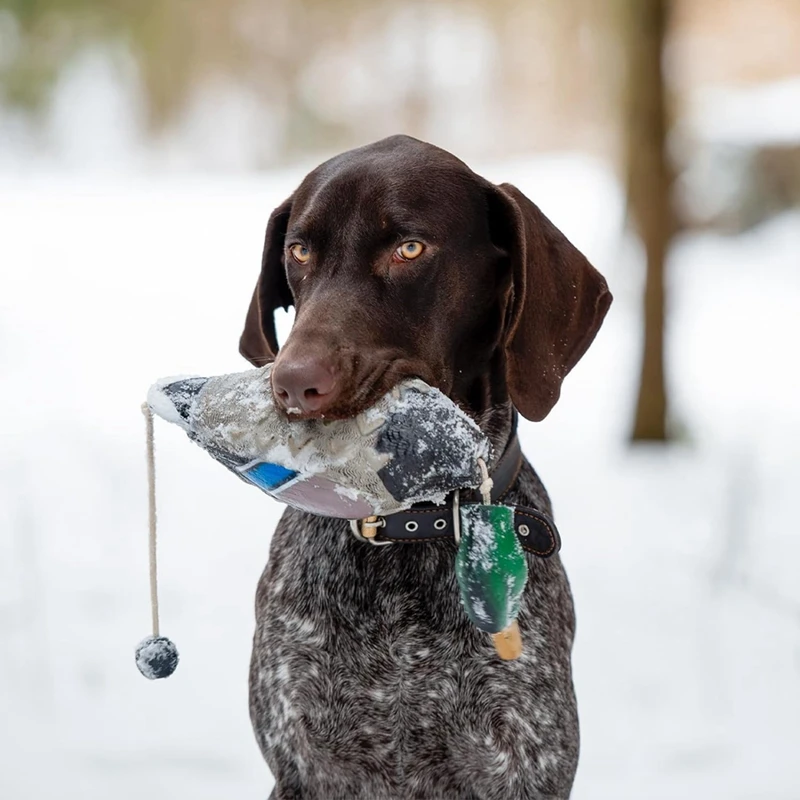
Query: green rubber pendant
x=491, y=568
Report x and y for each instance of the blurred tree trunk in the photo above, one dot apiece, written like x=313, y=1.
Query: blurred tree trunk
x=649, y=183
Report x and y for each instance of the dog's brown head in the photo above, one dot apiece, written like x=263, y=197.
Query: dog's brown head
x=400, y=261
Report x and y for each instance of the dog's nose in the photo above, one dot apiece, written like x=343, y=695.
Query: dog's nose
x=303, y=386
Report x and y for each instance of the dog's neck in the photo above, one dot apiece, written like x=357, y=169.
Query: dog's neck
x=484, y=396
x=498, y=423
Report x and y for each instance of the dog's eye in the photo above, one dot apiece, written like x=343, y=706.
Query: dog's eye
x=300, y=253
x=408, y=251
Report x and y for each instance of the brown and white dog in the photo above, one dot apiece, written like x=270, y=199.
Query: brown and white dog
x=367, y=679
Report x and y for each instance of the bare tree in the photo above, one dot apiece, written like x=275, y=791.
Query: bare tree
x=649, y=181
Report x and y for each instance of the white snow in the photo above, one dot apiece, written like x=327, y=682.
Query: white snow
x=347, y=491
x=484, y=540
x=162, y=406
x=479, y=607
x=747, y=115
x=683, y=565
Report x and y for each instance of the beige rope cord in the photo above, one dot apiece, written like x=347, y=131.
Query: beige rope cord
x=151, y=514
x=156, y=656
x=487, y=483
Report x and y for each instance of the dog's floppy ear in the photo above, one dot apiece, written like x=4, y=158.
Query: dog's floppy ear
x=557, y=303
x=259, y=342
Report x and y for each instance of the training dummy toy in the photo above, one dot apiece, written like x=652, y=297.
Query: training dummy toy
x=414, y=445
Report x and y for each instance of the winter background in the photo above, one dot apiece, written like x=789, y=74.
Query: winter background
x=131, y=224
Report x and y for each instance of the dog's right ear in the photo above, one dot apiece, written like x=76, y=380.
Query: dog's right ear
x=259, y=341
x=558, y=302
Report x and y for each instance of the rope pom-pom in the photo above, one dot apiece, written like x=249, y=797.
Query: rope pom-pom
x=156, y=657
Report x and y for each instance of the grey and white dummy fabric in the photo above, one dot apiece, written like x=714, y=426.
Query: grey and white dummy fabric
x=413, y=445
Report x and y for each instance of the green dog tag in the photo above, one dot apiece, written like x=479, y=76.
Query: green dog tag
x=491, y=568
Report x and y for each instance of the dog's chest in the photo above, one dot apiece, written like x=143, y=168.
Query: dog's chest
x=367, y=672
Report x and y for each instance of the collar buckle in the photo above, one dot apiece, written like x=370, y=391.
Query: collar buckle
x=367, y=529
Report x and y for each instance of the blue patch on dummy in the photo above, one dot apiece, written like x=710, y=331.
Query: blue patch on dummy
x=269, y=476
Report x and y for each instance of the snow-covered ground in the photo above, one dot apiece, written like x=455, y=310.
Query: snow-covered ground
x=683, y=563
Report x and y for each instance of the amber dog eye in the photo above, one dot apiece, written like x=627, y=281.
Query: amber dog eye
x=300, y=253
x=408, y=251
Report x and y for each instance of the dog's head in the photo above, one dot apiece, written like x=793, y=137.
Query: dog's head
x=400, y=261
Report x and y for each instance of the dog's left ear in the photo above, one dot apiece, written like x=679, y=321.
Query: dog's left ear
x=259, y=341
x=557, y=302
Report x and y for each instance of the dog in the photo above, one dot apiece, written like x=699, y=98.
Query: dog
x=367, y=680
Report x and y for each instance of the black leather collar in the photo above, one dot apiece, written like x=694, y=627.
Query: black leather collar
x=425, y=522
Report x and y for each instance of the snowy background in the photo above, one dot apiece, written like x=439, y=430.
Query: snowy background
x=684, y=564
x=683, y=561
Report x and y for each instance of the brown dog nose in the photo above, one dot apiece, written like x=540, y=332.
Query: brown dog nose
x=303, y=386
